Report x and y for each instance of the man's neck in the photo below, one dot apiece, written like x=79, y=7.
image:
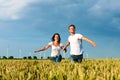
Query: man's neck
x=72, y=34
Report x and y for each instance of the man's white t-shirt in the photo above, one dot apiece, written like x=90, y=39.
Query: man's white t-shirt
x=55, y=49
x=75, y=44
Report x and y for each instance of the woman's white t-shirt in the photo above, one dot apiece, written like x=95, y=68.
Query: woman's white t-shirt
x=55, y=49
x=75, y=44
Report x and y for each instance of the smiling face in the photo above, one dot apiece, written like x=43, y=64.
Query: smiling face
x=56, y=37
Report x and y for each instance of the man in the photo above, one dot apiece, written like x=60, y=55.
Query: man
x=75, y=42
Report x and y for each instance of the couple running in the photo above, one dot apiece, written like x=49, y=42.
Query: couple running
x=75, y=42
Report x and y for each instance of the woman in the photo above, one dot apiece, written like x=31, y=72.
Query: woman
x=56, y=47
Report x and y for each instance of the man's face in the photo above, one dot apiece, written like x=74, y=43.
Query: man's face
x=71, y=29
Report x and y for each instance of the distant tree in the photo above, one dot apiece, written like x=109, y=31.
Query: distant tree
x=24, y=57
x=34, y=57
x=41, y=57
x=48, y=57
x=4, y=57
x=10, y=57
x=63, y=58
x=29, y=57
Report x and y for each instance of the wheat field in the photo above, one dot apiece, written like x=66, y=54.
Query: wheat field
x=89, y=69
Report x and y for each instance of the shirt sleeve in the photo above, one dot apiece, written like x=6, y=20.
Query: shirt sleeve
x=50, y=43
x=61, y=44
x=80, y=36
x=69, y=39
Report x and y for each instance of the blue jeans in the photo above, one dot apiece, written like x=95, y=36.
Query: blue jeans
x=76, y=58
x=56, y=59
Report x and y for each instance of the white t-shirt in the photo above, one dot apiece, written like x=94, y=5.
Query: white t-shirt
x=75, y=44
x=55, y=49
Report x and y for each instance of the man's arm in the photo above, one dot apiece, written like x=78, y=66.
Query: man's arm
x=88, y=40
x=64, y=49
x=67, y=44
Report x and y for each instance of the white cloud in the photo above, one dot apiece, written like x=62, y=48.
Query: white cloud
x=106, y=11
x=116, y=21
x=105, y=6
x=12, y=9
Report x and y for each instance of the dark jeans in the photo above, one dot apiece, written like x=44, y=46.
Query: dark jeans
x=56, y=59
x=76, y=58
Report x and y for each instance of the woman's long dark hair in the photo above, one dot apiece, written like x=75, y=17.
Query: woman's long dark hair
x=58, y=36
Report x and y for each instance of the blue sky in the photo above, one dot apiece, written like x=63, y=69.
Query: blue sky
x=27, y=25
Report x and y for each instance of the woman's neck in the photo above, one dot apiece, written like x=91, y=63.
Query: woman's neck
x=56, y=43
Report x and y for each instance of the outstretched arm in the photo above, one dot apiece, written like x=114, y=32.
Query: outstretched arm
x=88, y=40
x=42, y=49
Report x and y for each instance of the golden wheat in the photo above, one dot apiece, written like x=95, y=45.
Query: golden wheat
x=89, y=69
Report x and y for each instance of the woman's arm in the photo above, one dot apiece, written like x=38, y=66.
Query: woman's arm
x=88, y=40
x=42, y=49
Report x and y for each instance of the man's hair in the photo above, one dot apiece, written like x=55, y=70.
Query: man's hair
x=71, y=25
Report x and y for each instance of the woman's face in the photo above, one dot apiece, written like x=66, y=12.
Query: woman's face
x=56, y=38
